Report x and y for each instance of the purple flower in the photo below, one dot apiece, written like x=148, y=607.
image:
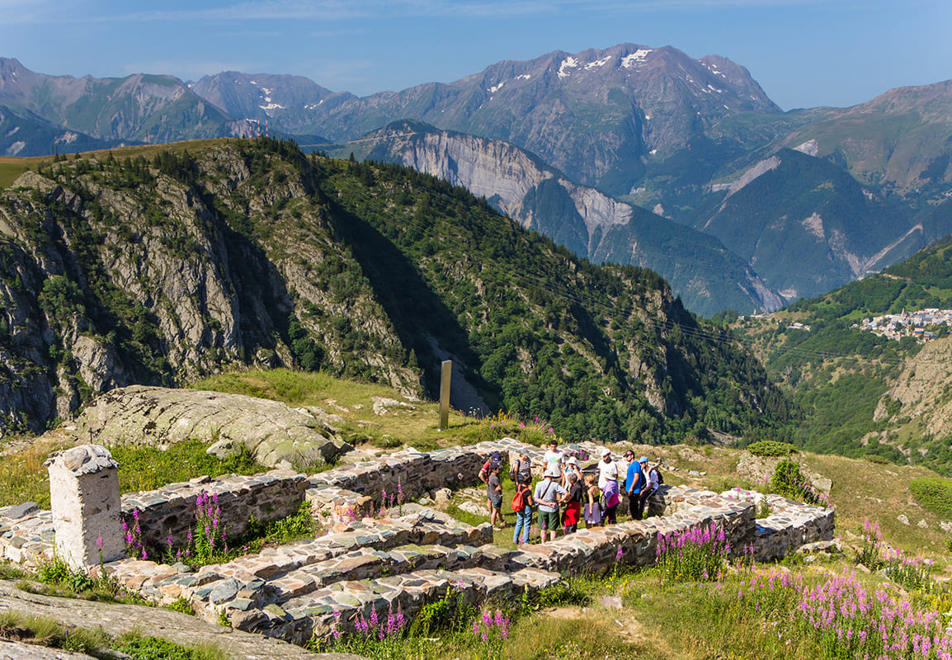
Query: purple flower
x=99, y=541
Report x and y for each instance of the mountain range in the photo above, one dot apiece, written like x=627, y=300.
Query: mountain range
x=783, y=204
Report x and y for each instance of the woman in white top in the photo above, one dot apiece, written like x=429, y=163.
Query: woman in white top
x=553, y=459
x=607, y=470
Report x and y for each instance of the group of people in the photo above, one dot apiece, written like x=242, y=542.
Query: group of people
x=565, y=495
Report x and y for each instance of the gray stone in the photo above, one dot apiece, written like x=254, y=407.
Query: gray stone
x=224, y=590
x=273, y=432
x=20, y=510
x=225, y=449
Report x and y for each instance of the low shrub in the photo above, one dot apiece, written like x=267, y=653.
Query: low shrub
x=933, y=494
x=788, y=481
x=450, y=613
x=770, y=448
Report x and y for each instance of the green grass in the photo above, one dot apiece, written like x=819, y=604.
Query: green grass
x=353, y=402
x=45, y=631
x=23, y=478
x=11, y=168
x=934, y=495
x=142, y=467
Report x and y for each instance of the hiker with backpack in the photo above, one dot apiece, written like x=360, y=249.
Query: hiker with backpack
x=522, y=505
x=521, y=469
x=494, y=495
x=608, y=483
x=546, y=496
x=484, y=472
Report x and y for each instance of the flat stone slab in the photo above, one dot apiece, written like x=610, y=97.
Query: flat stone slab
x=116, y=619
x=277, y=435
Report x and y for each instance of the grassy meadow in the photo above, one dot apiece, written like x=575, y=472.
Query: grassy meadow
x=741, y=612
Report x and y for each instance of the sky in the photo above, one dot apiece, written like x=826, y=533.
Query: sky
x=804, y=53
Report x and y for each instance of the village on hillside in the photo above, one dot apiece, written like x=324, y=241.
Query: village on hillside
x=907, y=324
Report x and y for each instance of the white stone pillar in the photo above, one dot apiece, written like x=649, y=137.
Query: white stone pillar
x=84, y=496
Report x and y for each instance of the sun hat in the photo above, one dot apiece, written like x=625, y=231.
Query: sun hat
x=606, y=452
x=643, y=459
x=573, y=461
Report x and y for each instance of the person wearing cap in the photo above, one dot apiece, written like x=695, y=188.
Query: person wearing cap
x=653, y=480
x=546, y=496
x=608, y=483
x=634, y=483
x=572, y=467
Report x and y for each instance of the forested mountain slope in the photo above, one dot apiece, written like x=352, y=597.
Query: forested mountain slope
x=860, y=393
x=707, y=276
x=160, y=266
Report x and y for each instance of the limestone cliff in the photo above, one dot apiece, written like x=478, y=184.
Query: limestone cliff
x=592, y=224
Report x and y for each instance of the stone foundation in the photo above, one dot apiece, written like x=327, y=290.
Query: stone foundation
x=170, y=511
x=294, y=591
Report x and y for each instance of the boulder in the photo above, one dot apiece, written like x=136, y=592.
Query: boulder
x=275, y=434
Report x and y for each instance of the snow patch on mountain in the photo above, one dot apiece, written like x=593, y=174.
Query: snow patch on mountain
x=636, y=58
x=810, y=148
x=568, y=63
x=598, y=63
x=496, y=88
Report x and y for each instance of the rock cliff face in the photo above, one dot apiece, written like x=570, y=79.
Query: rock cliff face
x=924, y=391
x=588, y=222
x=114, y=274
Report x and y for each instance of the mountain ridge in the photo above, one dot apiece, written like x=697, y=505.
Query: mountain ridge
x=591, y=224
x=115, y=269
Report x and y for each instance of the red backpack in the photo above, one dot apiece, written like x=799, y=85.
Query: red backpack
x=519, y=499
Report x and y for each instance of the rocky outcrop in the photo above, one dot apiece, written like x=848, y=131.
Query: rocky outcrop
x=923, y=390
x=116, y=619
x=277, y=436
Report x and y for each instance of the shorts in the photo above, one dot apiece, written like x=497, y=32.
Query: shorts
x=496, y=502
x=549, y=520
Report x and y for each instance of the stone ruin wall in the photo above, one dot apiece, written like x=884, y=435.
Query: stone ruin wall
x=292, y=591
x=170, y=511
